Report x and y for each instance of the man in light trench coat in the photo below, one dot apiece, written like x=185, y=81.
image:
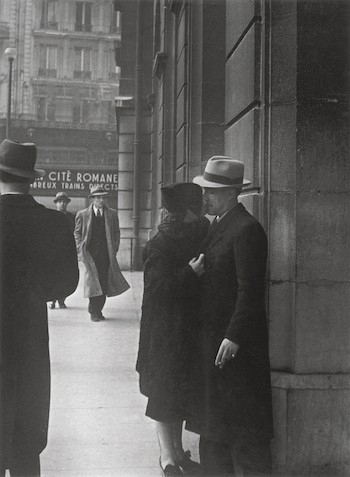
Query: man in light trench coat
x=97, y=238
x=230, y=391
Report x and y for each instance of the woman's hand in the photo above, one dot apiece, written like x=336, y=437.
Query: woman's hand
x=197, y=265
x=227, y=351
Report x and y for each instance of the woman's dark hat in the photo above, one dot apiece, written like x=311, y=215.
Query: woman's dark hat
x=62, y=196
x=97, y=190
x=19, y=159
x=182, y=196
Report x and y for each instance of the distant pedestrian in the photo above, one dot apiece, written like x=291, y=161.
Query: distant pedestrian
x=97, y=238
x=38, y=261
x=168, y=323
x=62, y=200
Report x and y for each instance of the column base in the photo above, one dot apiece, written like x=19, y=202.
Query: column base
x=311, y=423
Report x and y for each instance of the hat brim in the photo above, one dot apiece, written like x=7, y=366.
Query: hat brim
x=34, y=174
x=199, y=180
x=98, y=194
x=65, y=199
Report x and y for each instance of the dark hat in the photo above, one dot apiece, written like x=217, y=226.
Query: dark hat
x=61, y=196
x=179, y=197
x=19, y=159
x=222, y=171
x=97, y=190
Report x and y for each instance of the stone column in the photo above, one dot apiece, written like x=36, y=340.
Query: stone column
x=309, y=214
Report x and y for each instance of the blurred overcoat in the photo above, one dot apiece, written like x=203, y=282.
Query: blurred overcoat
x=38, y=262
x=82, y=233
x=235, y=401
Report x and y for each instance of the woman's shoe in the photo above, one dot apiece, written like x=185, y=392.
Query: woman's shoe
x=187, y=465
x=170, y=470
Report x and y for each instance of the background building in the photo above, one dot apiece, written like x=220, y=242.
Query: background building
x=64, y=83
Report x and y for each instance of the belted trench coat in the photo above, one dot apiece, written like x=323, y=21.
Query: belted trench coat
x=82, y=233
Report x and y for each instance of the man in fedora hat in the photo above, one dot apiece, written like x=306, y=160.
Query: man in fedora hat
x=230, y=395
x=97, y=237
x=38, y=262
x=62, y=200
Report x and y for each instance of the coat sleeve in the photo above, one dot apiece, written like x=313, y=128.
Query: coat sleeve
x=165, y=280
x=117, y=231
x=78, y=231
x=62, y=274
x=250, y=253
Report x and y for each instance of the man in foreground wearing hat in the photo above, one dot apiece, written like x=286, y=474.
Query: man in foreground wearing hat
x=38, y=262
x=62, y=200
x=97, y=238
x=230, y=376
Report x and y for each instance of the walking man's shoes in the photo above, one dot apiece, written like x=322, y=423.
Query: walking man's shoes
x=62, y=305
x=52, y=305
x=101, y=317
x=94, y=317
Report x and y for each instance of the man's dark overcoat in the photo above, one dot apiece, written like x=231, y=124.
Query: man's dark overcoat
x=38, y=263
x=169, y=310
x=236, y=400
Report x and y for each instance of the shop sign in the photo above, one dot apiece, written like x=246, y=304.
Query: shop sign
x=76, y=182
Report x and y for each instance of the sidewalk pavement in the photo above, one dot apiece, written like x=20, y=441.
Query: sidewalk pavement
x=97, y=422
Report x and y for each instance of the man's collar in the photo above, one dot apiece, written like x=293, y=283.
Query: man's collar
x=95, y=209
x=218, y=219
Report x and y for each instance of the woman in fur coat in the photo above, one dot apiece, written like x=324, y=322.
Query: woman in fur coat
x=169, y=314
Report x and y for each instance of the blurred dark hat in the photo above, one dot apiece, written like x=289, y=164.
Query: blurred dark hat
x=97, y=190
x=61, y=196
x=179, y=197
x=19, y=159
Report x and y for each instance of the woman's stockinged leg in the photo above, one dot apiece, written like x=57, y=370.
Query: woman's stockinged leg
x=177, y=437
x=165, y=432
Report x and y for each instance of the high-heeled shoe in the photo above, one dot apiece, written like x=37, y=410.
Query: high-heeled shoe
x=170, y=470
x=187, y=465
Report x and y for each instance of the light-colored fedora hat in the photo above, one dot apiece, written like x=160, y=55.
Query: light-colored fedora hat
x=97, y=190
x=222, y=171
x=61, y=196
x=19, y=159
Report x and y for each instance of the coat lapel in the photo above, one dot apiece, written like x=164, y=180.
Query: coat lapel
x=89, y=213
x=212, y=238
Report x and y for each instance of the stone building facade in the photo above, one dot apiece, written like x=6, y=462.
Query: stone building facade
x=266, y=82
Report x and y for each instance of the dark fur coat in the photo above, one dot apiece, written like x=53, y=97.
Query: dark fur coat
x=169, y=310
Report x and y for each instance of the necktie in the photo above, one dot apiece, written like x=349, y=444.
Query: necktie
x=98, y=215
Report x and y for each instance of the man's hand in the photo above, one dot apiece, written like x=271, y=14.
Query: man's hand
x=197, y=265
x=227, y=351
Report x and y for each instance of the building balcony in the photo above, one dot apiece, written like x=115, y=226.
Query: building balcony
x=84, y=75
x=77, y=30
x=83, y=27
x=47, y=73
x=49, y=26
x=30, y=122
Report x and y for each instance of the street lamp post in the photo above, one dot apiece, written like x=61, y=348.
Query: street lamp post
x=10, y=54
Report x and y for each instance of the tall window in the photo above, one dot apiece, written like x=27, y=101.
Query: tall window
x=83, y=16
x=81, y=112
x=49, y=14
x=45, y=109
x=82, y=63
x=48, y=61
x=115, y=21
